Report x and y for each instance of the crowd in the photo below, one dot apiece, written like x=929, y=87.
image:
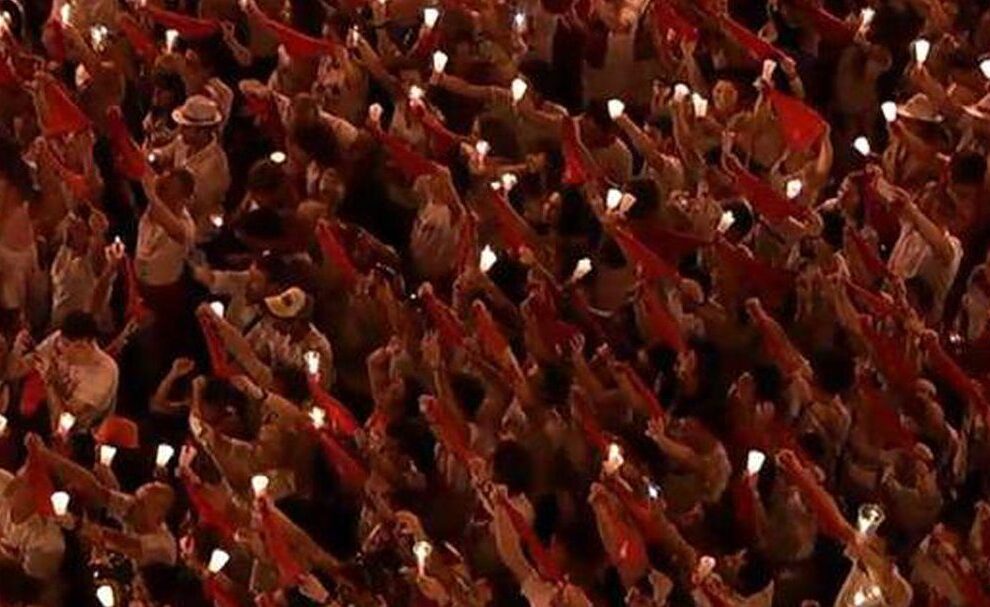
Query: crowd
x=556, y=303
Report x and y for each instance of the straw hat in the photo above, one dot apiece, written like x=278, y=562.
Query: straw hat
x=198, y=110
x=919, y=107
x=288, y=304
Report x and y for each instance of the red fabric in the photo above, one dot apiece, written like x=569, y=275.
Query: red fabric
x=341, y=419
x=296, y=43
x=33, y=393
x=266, y=112
x=77, y=183
x=188, y=27
x=831, y=29
x=830, y=518
x=757, y=48
x=39, y=479
x=7, y=75
x=801, y=124
x=745, y=504
x=888, y=357
x=555, y=333
x=442, y=140
x=491, y=340
x=446, y=323
x=589, y=422
x=777, y=345
x=867, y=255
x=878, y=214
x=450, y=432
x=140, y=41
x=135, y=307
x=661, y=326
x=576, y=169
x=219, y=594
x=671, y=23
x=753, y=276
x=58, y=113
x=209, y=515
x=127, y=156
x=884, y=421
x=289, y=569
x=765, y=200
x=406, y=159
x=219, y=361
x=336, y=254
x=351, y=472
x=870, y=302
x=426, y=44
x=512, y=228
x=639, y=511
x=653, y=406
x=668, y=244
x=945, y=367
x=638, y=254
x=542, y=559
x=54, y=37
x=118, y=431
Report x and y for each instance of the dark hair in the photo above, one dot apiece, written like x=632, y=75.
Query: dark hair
x=647, y=197
x=221, y=394
x=513, y=467
x=184, y=178
x=79, y=326
x=598, y=113
x=968, y=168
x=292, y=382
x=265, y=176
x=170, y=81
x=318, y=141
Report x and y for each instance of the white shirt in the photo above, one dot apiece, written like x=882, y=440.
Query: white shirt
x=73, y=282
x=212, y=174
x=158, y=547
x=36, y=540
x=912, y=256
x=92, y=384
x=274, y=347
x=160, y=259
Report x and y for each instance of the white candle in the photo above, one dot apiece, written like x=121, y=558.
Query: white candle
x=581, y=269
x=415, y=93
x=681, y=91
x=482, y=148
x=217, y=308
x=700, y=105
x=218, y=560
x=163, y=454
x=725, y=222
x=171, y=37
x=889, y=109
x=353, y=36
x=488, y=259
x=509, y=181
x=312, y=360
x=98, y=36
x=870, y=595
x=65, y=422
x=653, y=491
x=3, y=425
x=612, y=199
x=422, y=550
x=615, y=108
x=794, y=188
x=518, y=88
x=869, y=518
x=985, y=68
x=866, y=16
x=318, y=417
x=921, y=49
x=862, y=145
x=439, y=61
x=65, y=13
x=375, y=112
x=613, y=459
x=217, y=221
x=107, y=453
x=278, y=157
x=430, y=16
x=520, y=21
x=259, y=484
x=754, y=462
x=105, y=595
x=60, y=503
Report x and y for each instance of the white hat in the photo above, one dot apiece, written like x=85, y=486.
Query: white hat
x=198, y=110
x=288, y=304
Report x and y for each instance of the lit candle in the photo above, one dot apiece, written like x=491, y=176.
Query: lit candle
x=107, y=453
x=439, y=61
x=422, y=550
x=319, y=417
x=954, y=338
x=65, y=14
x=653, y=491
x=862, y=145
x=754, y=462
x=217, y=308
x=65, y=422
x=870, y=595
x=415, y=94
x=5, y=22
x=921, y=49
x=60, y=503
x=488, y=259
x=613, y=459
x=520, y=22
x=612, y=199
x=615, y=108
x=218, y=560
x=217, y=221
x=3, y=425
x=518, y=88
x=163, y=454
x=312, y=360
x=581, y=269
x=353, y=36
x=794, y=187
x=985, y=68
x=866, y=17
x=509, y=181
x=278, y=157
x=482, y=148
x=171, y=37
x=152, y=157
x=259, y=484
x=869, y=519
x=725, y=222
x=430, y=16
x=98, y=36
x=375, y=112
x=681, y=91
x=105, y=595
x=889, y=109
x=700, y=105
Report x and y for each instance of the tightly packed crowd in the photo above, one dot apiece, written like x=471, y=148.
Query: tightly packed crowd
x=556, y=303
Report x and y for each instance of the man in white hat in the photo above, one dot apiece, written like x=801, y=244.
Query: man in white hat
x=285, y=335
x=197, y=149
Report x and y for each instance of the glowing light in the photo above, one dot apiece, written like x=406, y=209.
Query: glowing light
x=318, y=417
x=869, y=519
x=430, y=16
x=278, y=157
x=60, y=502
x=439, y=61
x=616, y=108
x=754, y=462
x=105, y=595
x=65, y=14
x=700, y=105
x=613, y=459
x=218, y=560
x=794, y=188
x=862, y=145
x=518, y=88
x=488, y=259
x=509, y=181
x=163, y=454
x=217, y=308
x=422, y=551
x=889, y=109
x=259, y=484
x=312, y=360
x=681, y=91
x=581, y=269
x=171, y=37
x=612, y=199
x=922, y=48
x=65, y=422
x=107, y=453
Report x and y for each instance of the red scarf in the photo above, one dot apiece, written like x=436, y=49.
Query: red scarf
x=188, y=27
x=58, y=113
x=638, y=254
x=127, y=156
x=336, y=253
x=296, y=43
x=289, y=569
x=802, y=125
x=143, y=45
x=341, y=419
